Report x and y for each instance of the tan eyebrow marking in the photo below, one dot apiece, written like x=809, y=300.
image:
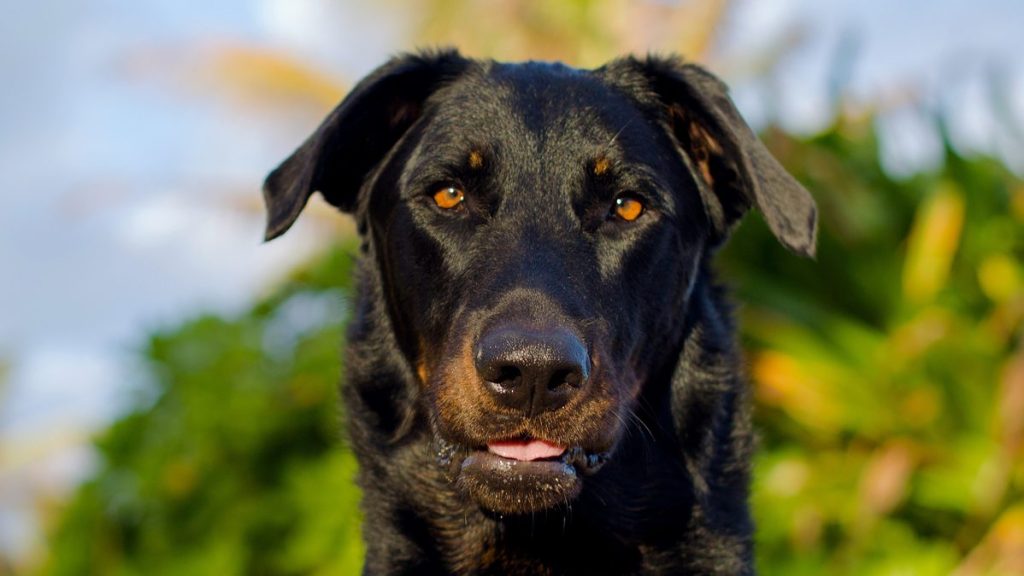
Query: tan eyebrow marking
x=601, y=165
x=476, y=159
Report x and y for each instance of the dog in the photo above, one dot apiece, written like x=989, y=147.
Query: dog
x=542, y=373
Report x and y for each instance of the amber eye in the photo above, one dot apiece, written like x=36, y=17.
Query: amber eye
x=628, y=208
x=449, y=197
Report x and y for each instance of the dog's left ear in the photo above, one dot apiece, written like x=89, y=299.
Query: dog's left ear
x=336, y=159
x=734, y=169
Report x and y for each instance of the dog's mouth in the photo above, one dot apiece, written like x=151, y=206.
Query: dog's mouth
x=526, y=450
x=520, y=475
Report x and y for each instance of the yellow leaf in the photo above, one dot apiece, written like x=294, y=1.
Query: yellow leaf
x=1000, y=278
x=932, y=243
x=920, y=333
x=1001, y=551
x=1017, y=203
x=782, y=381
x=787, y=478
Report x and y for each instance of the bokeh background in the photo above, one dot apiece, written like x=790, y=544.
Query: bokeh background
x=168, y=393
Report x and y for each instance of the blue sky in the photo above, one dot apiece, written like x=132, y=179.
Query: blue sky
x=122, y=180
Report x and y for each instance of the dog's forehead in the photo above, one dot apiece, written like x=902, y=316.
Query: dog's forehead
x=550, y=105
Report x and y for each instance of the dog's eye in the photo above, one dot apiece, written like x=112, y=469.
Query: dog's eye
x=628, y=207
x=449, y=197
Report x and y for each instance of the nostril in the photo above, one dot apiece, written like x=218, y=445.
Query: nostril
x=506, y=376
x=561, y=379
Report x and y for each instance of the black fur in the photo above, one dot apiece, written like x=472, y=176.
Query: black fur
x=658, y=438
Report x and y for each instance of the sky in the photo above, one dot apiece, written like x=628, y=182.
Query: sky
x=129, y=189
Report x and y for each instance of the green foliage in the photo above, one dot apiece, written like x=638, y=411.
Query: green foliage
x=888, y=371
x=235, y=464
x=888, y=377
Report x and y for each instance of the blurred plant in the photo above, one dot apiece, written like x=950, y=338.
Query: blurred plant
x=889, y=373
x=583, y=32
x=234, y=464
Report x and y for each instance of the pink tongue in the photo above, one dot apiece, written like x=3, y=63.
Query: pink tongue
x=525, y=449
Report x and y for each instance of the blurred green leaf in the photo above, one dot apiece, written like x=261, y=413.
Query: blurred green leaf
x=236, y=464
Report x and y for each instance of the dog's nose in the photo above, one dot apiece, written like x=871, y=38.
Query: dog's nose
x=532, y=370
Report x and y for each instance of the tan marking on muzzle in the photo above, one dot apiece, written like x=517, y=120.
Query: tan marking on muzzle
x=460, y=396
x=423, y=366
x=422, y=373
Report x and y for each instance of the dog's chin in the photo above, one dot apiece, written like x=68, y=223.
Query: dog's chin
x=510, y=486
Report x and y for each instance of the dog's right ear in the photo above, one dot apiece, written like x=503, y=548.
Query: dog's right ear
x=734, y=170
x=356, y=136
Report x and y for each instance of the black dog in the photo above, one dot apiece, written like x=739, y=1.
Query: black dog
x=542, y=375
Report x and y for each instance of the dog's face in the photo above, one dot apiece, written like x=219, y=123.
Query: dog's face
x=537, y=231
x=521, y=223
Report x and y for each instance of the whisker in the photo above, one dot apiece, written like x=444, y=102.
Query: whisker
x=640, y=421
x=643, y=427
x=626, y=428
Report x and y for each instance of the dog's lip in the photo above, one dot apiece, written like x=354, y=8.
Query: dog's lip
x=491, y=463
x=579, y=459
x=526, y=450
x=454, y=456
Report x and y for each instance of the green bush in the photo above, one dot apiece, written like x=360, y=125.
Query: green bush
x=888, y=373
x=234, y=464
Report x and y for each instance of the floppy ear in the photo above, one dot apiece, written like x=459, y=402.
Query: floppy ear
x=733, y=168
x=356, y=136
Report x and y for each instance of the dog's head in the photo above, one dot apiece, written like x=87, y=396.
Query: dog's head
x=537, y=231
